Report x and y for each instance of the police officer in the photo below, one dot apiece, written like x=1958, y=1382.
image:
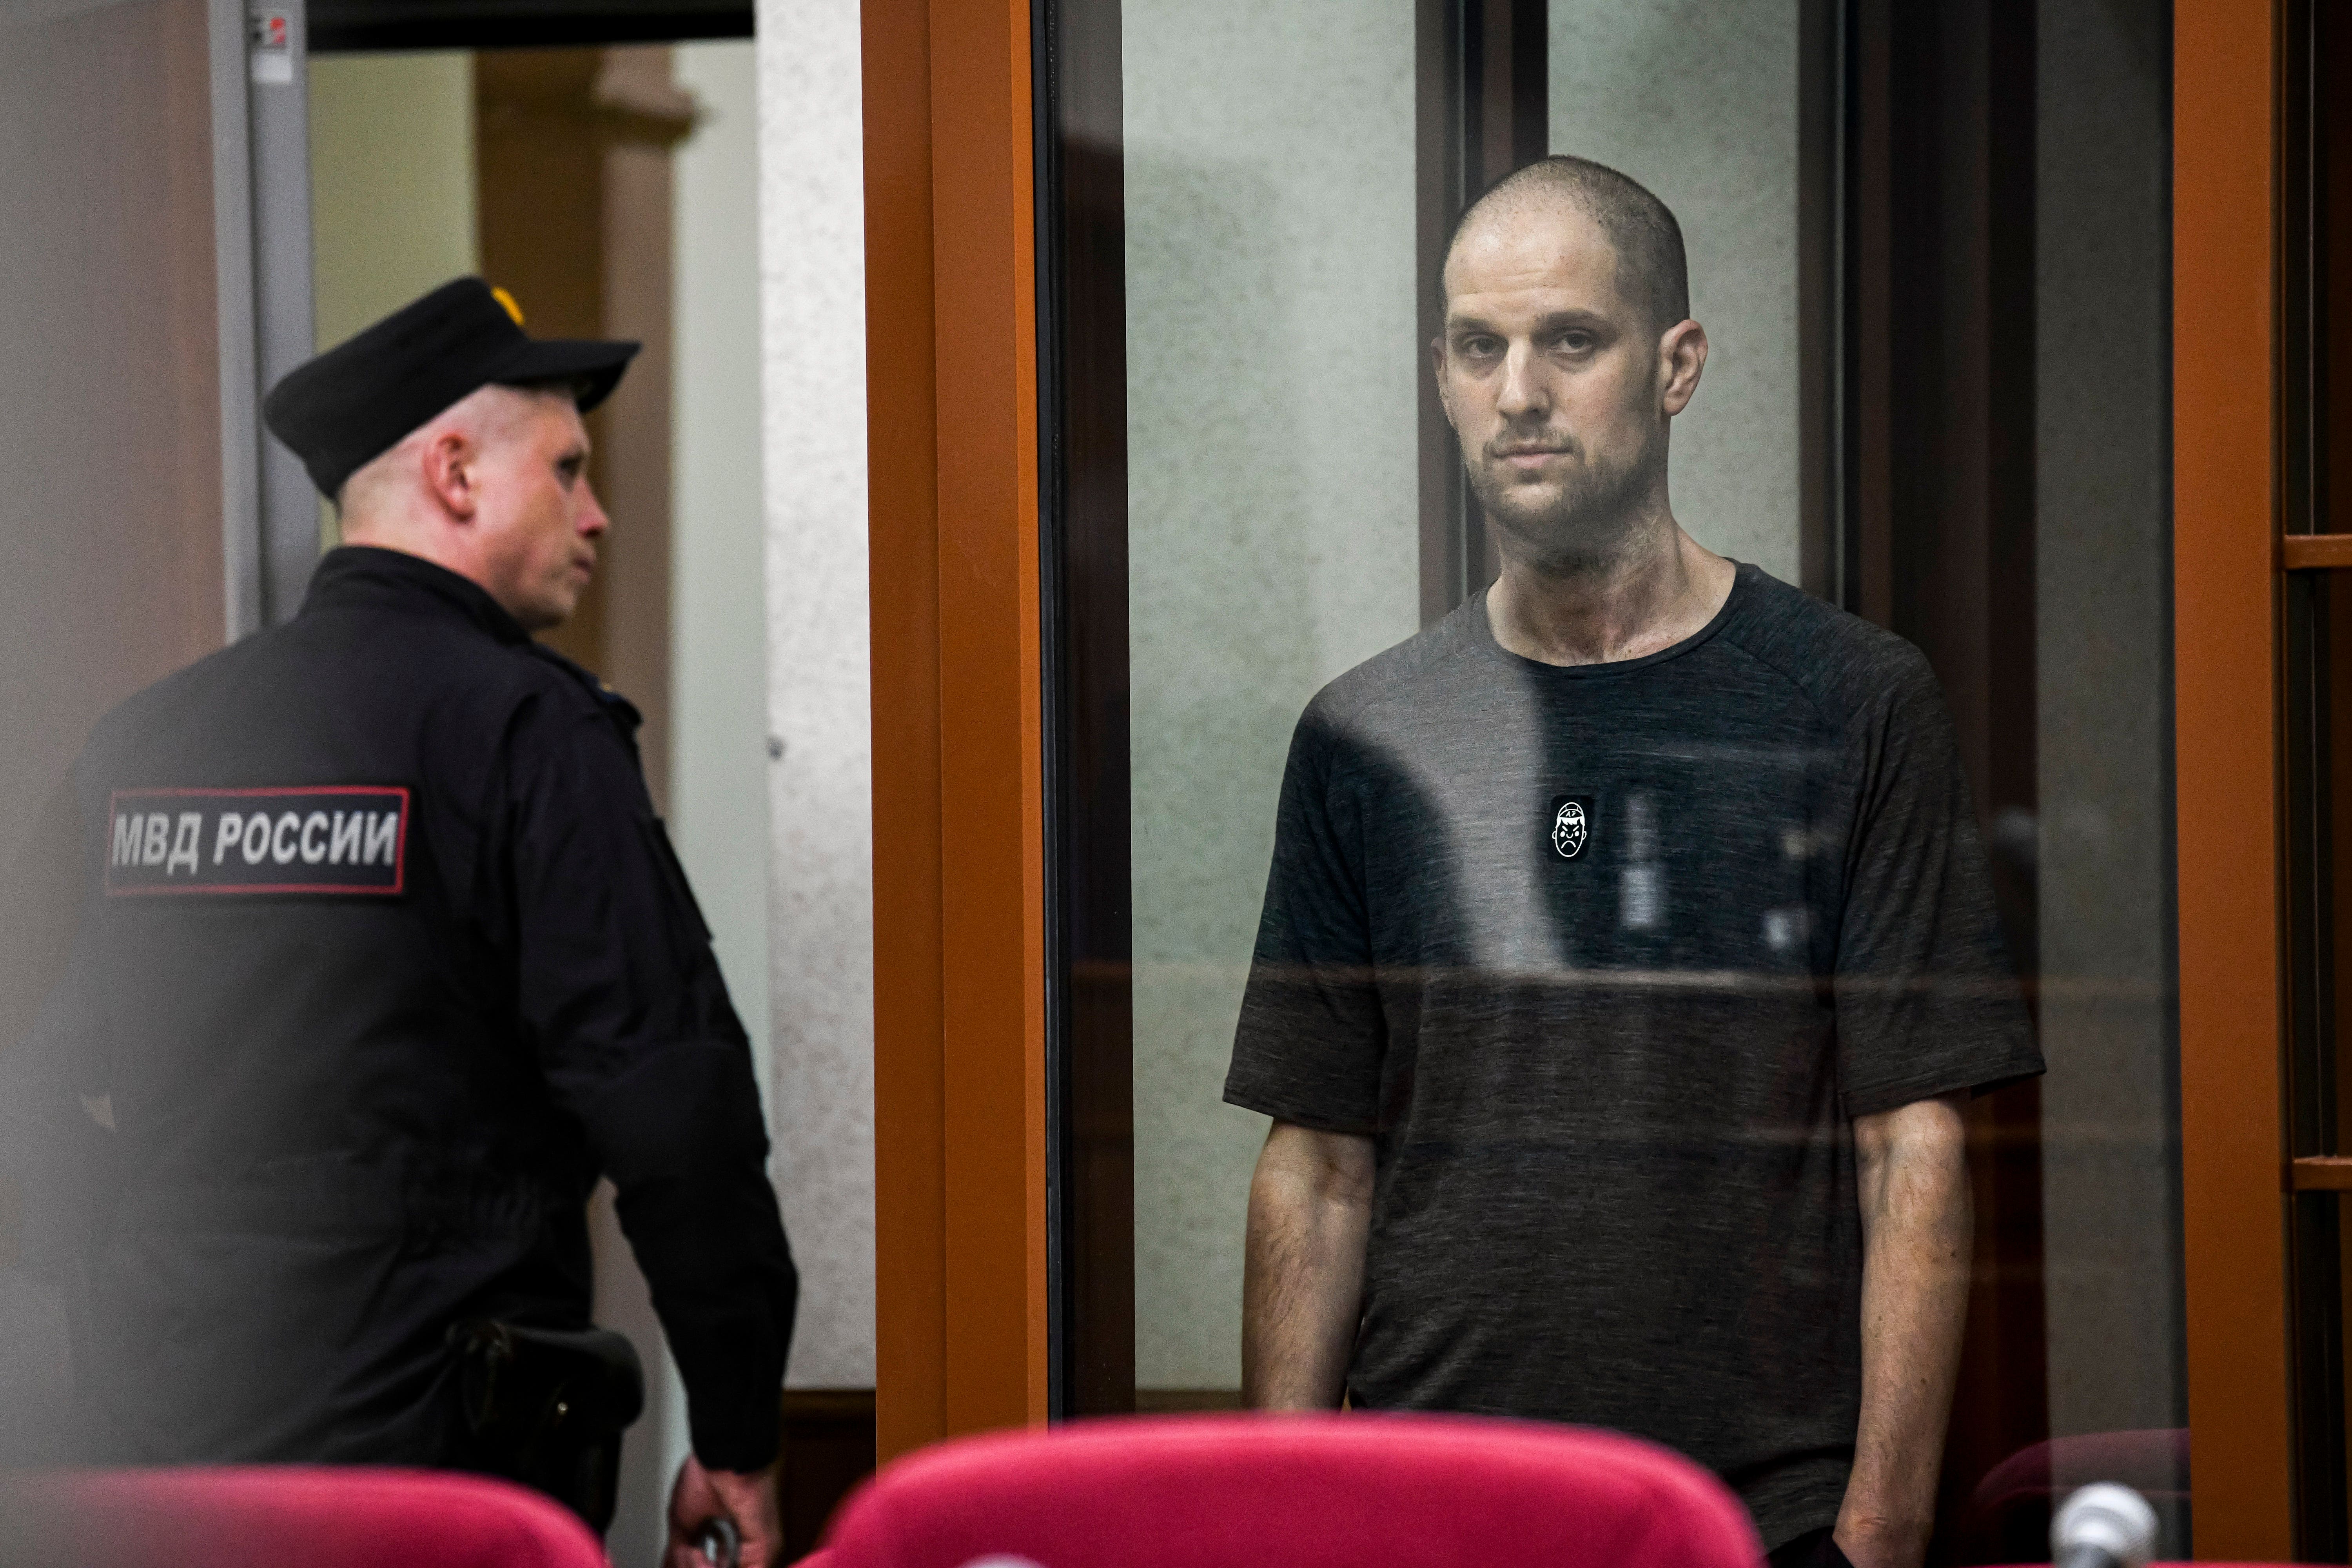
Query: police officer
x=386, y=958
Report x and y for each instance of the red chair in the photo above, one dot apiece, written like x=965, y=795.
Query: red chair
x=1336, y=1491
x=301, y=1517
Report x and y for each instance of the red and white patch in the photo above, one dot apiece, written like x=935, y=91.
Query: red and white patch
x=340, y=839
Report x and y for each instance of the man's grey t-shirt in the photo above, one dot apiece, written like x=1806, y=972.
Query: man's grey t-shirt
x=1604, y=959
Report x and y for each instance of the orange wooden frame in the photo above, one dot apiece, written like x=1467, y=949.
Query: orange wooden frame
x=958, y=885
x=2315, y=551
x=2225, y=394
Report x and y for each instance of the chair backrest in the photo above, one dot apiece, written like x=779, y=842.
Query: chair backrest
x=302, y=1517
x=1341, y=1491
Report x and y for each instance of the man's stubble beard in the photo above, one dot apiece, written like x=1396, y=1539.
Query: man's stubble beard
x=1588, y=526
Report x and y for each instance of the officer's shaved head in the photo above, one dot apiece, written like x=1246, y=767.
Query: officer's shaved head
x=1651, y=269
x=486, y=415
x=495, y=488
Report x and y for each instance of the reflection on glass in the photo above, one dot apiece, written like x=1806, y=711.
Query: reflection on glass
x=1570, y=1124
x=1600, y=905
x=1271, y=365
x=1730, y=176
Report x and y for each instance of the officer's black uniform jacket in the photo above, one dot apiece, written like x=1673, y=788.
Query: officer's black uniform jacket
x=387, y=957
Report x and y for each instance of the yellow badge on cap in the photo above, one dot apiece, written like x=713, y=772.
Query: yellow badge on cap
x=503, y=298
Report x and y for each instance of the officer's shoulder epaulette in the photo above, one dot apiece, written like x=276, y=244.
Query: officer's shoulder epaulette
x=616, y=706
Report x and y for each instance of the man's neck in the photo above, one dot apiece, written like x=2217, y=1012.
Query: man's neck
x=1641, y=600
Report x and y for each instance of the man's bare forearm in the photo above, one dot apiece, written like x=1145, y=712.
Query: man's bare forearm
x=1303, y=1272
x=1917, y=1219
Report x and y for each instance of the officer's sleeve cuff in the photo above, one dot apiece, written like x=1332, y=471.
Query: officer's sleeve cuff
x=743, y=1440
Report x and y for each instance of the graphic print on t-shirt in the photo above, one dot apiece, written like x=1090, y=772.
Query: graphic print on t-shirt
x=1570, y=824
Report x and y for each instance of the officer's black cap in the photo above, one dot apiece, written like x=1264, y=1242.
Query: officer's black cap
x=359, y=400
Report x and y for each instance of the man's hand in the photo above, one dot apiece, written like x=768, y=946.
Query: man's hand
x=1310, y=1211
x=1911, y=1165
x=700, y=1496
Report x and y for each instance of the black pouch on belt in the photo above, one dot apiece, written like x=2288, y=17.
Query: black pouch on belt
x=546, y=1407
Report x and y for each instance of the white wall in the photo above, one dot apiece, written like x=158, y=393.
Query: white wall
x=718, y=685
x=718, y=796
x=1697, y=101
x=769, y=791
x=821, y=860
x=1273, y=530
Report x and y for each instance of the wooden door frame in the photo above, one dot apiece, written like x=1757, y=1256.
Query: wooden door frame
x=959, y=887
x=2226, y=598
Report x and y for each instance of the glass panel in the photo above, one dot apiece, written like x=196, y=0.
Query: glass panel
x=1274, y=542
x=2094, y=856
x=1929, y=257
x=2321, y=652
x=1731, y=176
x=2318, y=331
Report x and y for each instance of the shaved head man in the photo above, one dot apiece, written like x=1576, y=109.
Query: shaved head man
x=1627, y=955
x=1566, y=352
x=495, y=488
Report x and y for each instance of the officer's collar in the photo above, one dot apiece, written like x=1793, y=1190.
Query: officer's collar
x=364, y=575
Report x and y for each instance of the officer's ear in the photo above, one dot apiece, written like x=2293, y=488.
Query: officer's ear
x=452, y=465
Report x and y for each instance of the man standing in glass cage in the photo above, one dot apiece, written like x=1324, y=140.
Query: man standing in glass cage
x=1628, y=955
